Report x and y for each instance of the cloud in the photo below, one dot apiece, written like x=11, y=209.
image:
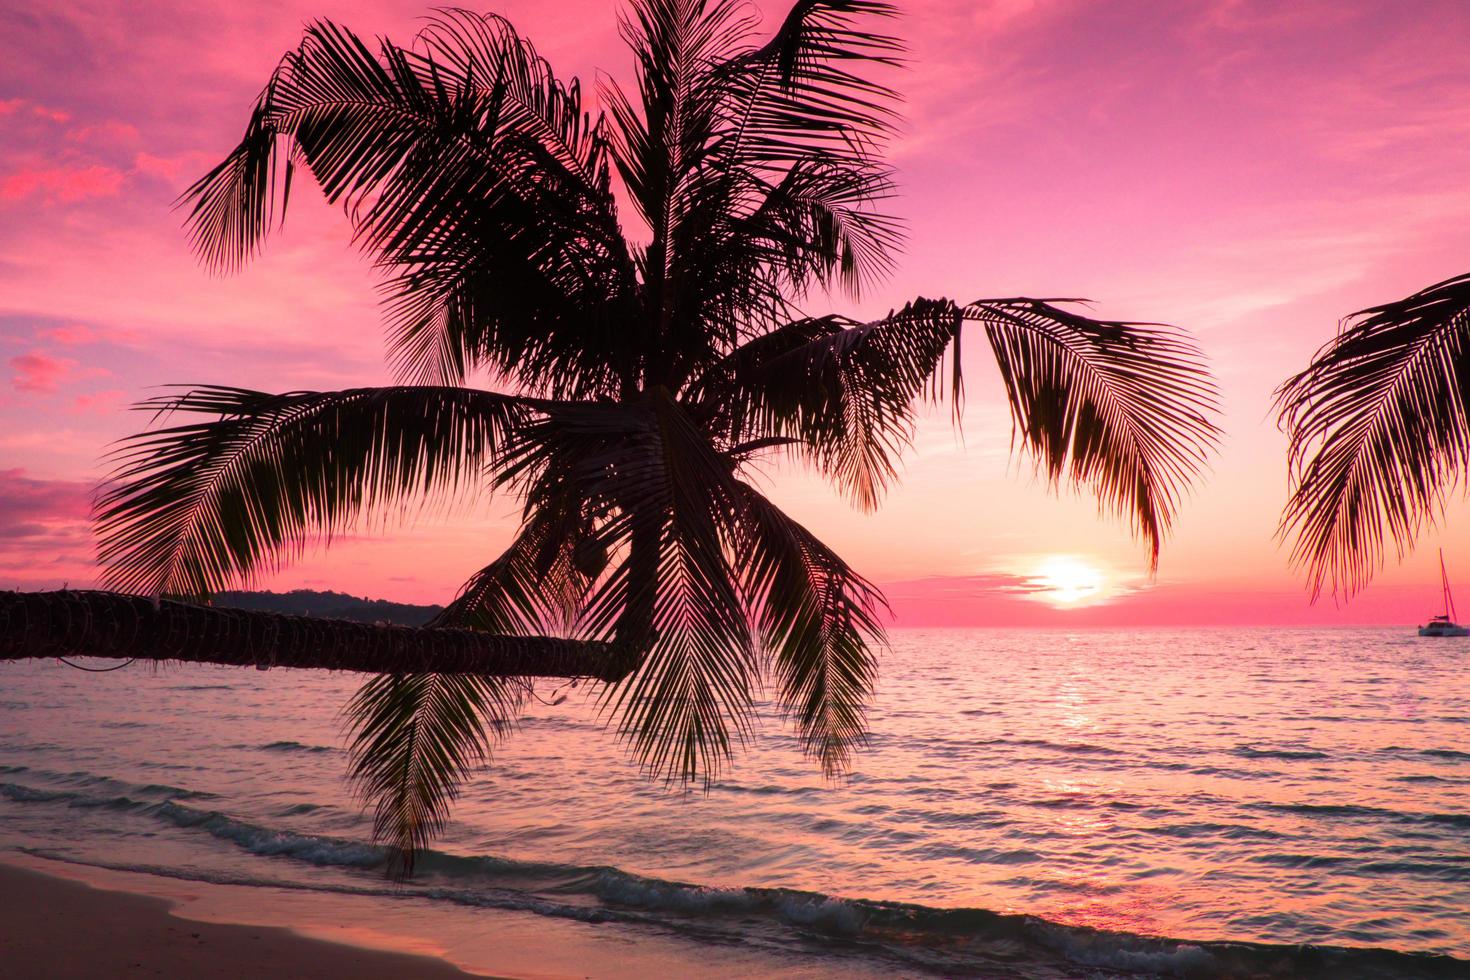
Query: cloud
x=64, y=185
x=81, y=334
x=68, y=335
x=26, y=500
x=45, y=534
x=13, y=107
x=109, y=132
x=188, y=164
x=40, y=373
x=105, y=402
x=964, y=588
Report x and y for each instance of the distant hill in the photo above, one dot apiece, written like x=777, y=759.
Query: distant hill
x=329, y=605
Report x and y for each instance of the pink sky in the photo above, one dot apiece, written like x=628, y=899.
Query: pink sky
x=1248, y=170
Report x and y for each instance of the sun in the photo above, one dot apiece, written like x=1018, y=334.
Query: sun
x=1066, y=580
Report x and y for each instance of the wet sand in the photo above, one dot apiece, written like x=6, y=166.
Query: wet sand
x=69, y=921
x=61, y=929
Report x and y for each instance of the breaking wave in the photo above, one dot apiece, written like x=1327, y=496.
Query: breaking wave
x=944, y=941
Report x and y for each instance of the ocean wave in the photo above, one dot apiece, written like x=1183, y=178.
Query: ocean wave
x=301, y=809
x=1250, y=752
x=1450, y=819
x=289, y=746
x=83, y=780
x=1352, y=811
x=1189, y=831
x=764, y=789
x=1329, y=810
x=29, y=794
x=1422, y=779
x=267, y=842
x=948, y=941
x=1071, y=748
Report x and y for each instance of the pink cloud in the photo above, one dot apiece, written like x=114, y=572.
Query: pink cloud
x=108, y=133
x=105, y=402
x=167, y=168
x=9, y=107
x=79, y=334
x=39, y=372
x=54, y=115
x=70, y=335
x=65, y=185
x=29, y=501
x=45, y=532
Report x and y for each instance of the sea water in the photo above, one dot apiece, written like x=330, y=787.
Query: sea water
x=1031, y=803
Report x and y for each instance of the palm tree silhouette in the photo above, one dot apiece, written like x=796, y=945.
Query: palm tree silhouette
x=1378, y=434
x=635, y=380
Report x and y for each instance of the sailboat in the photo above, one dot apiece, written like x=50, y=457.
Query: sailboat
x=1444, y=625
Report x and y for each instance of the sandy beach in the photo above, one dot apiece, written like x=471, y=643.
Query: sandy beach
x=68, y=920
x=58, y=929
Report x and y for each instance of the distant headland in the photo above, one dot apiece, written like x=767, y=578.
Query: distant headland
x=329, y=605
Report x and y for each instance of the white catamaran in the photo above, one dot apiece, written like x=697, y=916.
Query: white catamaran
x=1445, y=625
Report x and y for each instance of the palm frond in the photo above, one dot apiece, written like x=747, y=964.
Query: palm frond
x=194, y=508
x=674, y=595
x=798, y=174
x=662, y=139
x=819, y=224
x=415, y=739
x=654, y=499
x=756, y=166
x=540, y=582
x=819, y=620
x=1378, y=434
x=845, y=391
x=469, y=171
x=1124, y=408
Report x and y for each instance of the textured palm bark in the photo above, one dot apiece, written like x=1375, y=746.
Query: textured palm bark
x=112, y=624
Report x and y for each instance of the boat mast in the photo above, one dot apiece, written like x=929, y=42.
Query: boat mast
x=1449, y=600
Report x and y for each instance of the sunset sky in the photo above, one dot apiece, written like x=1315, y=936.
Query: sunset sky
x=1248, y=170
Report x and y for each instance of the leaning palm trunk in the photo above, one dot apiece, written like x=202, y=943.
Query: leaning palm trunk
x=112, y=624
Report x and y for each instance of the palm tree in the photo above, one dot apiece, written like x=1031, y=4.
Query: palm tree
x=1378, y=434
x=636, y=379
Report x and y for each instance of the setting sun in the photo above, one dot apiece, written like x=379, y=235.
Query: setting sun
x=1066, y=579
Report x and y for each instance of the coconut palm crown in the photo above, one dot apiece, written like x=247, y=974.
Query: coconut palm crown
x=637, y=378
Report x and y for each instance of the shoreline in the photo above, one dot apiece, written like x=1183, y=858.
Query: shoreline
x=64, y=926
x=75, y=921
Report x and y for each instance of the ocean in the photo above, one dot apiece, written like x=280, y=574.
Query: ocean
x=1207, y=802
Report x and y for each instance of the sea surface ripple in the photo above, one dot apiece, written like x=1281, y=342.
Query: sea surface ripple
x=1031, y=803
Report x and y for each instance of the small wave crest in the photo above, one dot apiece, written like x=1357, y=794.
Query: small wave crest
x=939, y=940
x=1293, y=755
x=289, y=746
